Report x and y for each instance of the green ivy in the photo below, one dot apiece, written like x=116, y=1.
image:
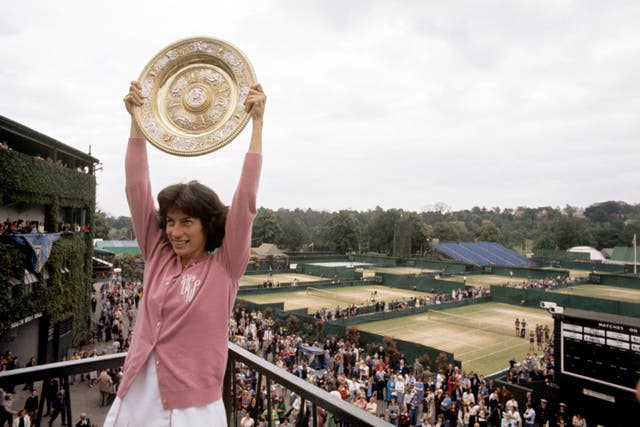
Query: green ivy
x=62, y=295
x=34, y=181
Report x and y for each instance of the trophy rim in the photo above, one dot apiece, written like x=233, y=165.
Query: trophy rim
x=200, y=51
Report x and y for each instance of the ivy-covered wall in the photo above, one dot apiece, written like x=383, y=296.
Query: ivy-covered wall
x=35, y=181
x=62, y=294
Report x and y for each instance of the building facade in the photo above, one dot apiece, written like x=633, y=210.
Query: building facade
x=47, y=206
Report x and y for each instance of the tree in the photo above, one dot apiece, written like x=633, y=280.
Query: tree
x=418, y=231
x=517, y=240
x=571, y=232
x=544, y=237
x=265, y=228
x=341, y=233
x=446, y=232
x=100, y=225
x=490, y=233
x=612, y=212
x=626, y=236
x=607, y=237
x=379, y=231
x=294, y=234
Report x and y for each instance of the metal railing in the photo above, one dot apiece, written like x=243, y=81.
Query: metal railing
x=267, y=373
x=9, y=379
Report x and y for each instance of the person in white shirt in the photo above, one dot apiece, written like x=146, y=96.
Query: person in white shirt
x=247, y=421
x=467, y=397
x=529, y=416
x=372, y=406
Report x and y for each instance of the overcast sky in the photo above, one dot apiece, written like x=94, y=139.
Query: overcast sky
x=398, y=104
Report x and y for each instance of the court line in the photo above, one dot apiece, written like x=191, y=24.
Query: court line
x=445, y=338
x=491, y=346
x=489, y=354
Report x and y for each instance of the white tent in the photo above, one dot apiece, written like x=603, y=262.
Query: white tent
x=594, y=254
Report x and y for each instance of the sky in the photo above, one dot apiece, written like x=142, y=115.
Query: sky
x=396, y=104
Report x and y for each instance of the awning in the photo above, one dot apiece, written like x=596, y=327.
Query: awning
x=103, y=262
x=312, y=350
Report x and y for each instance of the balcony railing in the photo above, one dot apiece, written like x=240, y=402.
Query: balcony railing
x=312, y=397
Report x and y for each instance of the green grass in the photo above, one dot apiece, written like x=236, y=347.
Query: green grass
x=401, y=270
x=483, y=280
x=481, y=336
x=315, y=301
x=259, y=279
x=602, y=291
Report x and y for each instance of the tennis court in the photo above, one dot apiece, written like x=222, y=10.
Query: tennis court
x=579, y=273
x=399, y=270
x=601, y=291
x=316, y=299
x=482, y=336
x=483, y=280
x=259, y=279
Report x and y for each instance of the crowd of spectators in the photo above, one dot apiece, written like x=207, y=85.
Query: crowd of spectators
x=379, y=305
x=547, y=283
x=381, y=384
x=53, y=395
x=120, y=301
x=21, y=226
x=4, y=145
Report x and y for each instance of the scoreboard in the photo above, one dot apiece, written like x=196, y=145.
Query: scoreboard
x=601, y=348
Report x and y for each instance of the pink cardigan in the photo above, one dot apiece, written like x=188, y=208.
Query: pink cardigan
x=184, y=313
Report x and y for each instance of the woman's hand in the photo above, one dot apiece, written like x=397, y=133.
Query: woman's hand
x=134, y=97
x=255, y=102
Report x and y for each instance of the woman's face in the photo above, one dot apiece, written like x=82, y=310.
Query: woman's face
x=186, y=235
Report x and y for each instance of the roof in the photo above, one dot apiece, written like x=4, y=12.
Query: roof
x=103, y=262
x=623, y=253
x=28, y=141
x=594, y=254
x=119, y=246
x=268, y=249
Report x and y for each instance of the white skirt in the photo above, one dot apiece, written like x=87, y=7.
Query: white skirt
x=142, y=406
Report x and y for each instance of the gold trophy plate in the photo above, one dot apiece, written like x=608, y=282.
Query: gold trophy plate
x=194, y=92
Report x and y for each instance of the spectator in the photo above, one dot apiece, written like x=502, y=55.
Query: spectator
x=84, y=420
x=6, y=413
x=31, y=405
x=59, y=407
x=105, y=386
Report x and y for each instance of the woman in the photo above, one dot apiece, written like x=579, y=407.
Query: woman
x=175, y=367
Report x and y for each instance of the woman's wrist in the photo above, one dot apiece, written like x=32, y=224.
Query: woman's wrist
x=135, y=132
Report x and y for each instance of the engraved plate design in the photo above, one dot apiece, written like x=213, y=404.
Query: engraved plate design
x=194, y=93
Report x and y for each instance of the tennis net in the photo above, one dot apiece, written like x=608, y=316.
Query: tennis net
x=323, y=293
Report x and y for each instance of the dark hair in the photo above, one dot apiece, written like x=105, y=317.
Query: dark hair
x=198, y=201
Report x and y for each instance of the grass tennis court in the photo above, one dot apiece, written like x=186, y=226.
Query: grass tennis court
x=483, y=280
x=481, y=336
x=331, y=297
x=400, y=270
x=601, y=291
x=259, y=279
x=579, y=273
